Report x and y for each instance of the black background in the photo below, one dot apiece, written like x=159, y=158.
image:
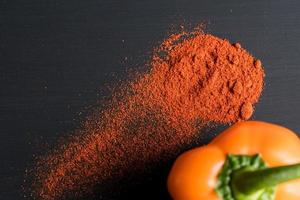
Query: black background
x=57, y=57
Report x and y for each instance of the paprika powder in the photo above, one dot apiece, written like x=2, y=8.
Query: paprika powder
x=194, y=79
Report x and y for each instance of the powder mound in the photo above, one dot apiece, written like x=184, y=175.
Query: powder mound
x=208, y=78
x=194, y=79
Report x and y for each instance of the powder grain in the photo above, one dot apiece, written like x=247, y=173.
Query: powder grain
x=193, y=79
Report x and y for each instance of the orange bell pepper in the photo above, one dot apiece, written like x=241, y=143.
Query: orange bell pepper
x=249, y=161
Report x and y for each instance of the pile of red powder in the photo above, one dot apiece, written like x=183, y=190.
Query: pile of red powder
x=194, y=79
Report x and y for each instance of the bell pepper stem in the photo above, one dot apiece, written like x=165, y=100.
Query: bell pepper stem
x=247, y=181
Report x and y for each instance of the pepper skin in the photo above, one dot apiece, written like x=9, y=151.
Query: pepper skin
x=194, y=174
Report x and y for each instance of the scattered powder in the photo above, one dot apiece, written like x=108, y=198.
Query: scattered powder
x=194, y=79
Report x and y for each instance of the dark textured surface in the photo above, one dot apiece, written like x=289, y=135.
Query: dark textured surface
x=57, y=56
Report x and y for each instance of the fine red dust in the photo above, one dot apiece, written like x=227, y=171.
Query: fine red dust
x=194, y=79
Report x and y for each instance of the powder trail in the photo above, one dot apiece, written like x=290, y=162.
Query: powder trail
x=194, y=79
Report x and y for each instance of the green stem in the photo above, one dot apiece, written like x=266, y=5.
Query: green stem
x=247, y=182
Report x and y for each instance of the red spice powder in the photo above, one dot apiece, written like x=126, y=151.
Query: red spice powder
x=194, y=79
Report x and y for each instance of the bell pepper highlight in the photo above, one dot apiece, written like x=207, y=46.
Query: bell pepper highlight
x=249, y=161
